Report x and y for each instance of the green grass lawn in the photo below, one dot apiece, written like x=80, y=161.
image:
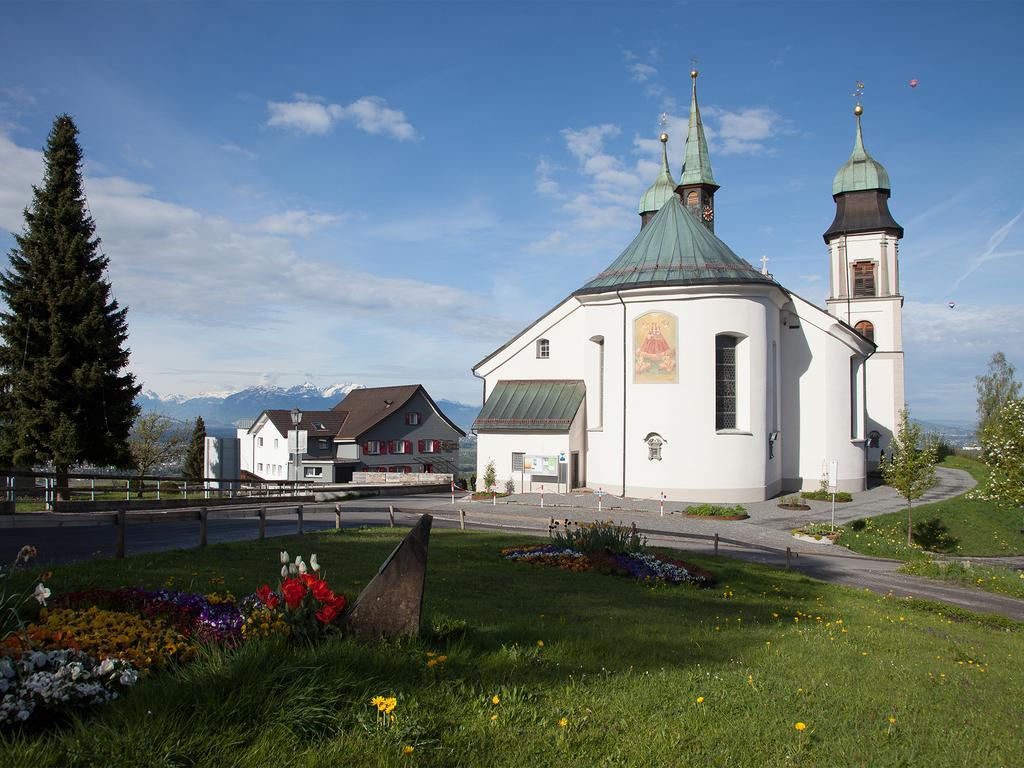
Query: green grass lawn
x=622, y=665
x=982, y=528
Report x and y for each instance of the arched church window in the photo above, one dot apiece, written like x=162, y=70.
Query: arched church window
x=866, y=329
x=654, y=442
x=725, y=382
x=691, y=197
x=543, y=349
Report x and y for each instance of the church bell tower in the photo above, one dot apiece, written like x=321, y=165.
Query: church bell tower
x=697, y=185
x=864, y=286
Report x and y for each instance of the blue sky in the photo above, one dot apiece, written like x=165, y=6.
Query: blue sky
x=384, y=192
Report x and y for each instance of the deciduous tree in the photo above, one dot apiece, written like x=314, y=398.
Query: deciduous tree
x=155, y=440
x=1002, y=445
x=995, y=389
x=910, y=466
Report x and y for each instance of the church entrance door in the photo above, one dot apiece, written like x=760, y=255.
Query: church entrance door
x=574, y=470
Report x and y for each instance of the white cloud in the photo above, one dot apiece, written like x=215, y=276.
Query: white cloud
x=741, y=132
x=237, y=150
x=301, y=223
x=307, y=114
x=641, y=72
x=992, y=251
x=545, y=185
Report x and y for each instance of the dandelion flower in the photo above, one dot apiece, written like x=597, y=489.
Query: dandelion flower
x=408, y=749
x=493, y=718
x=563, y=722
x=892, y=720
x=495, y=699
x=801, y=726
x=540, y=643
x=700, y=699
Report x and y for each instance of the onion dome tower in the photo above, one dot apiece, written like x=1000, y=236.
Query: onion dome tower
x=697, y=184
x=864, y=289
x=659, y=193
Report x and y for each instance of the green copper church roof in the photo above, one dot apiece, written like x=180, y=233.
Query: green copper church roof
x=696, y=162
x=663, y=187
x=674, y=249
x=861, y=171
x=539, y=405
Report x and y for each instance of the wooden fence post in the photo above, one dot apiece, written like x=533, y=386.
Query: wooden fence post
x=298, y=511
x=122, y=523
x=716, y=545
x=263, y=523
x=391, y=516
x=462, y=519
x=337, y=517
x=202, y=526
x=788, y=553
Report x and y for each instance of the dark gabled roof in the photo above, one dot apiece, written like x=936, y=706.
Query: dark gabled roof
x=314, y=423
x=674, y=249
x=532, y=405
x=368, y=406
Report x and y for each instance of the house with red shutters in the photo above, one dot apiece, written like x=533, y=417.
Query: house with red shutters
x=376, y=429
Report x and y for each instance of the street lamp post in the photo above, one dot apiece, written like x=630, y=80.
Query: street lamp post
x=296, y=420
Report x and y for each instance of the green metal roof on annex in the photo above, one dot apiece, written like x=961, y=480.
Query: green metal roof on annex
x=861, y=171
x=542, y=405
x=674, y=249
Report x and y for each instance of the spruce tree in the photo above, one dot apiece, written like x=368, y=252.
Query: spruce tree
x=192, y=469
x=65, y=394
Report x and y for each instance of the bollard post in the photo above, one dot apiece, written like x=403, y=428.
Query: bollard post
x=391, y=517
x=788, y=553
x=122, y=523
x=92, y=489
x=494, y=498
x=298, y=511
x=127, y=490
x=453, y=491
x=542, y=497
x=337, y=517
x=716, y=545
x=202, y=526
x=661, y=502
x=158, y=490
x=184, y=489
x=462, y=519
x=263, y=523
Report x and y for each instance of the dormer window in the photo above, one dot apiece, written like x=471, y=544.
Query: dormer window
x=412, y=419
x=543, y=349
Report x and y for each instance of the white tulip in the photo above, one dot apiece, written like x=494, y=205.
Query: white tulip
x=302, y=568
x=41, y=593
x=284, y=558
x=313, y=563
x=293, y=569
x=284, y=571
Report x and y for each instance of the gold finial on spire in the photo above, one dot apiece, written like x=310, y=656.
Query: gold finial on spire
x=662, y=123
x=693, y=71
x=858, y=91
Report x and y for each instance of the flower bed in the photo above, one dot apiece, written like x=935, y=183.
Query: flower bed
x=638, y=565
x=841, y=496
x=36, y=683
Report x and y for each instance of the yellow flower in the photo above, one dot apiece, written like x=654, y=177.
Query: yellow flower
x=432, y=663
x=378, y=702
x=700, y=699
x=563, y=722
x=408, y=749
x=493, y=718
x=801, y=726
x=540, y=643
x=892, y=720
x=495, y=699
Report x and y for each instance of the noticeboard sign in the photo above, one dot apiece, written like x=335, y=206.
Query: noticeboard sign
x=540, y=465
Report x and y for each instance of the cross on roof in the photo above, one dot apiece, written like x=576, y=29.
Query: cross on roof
x=764, y=265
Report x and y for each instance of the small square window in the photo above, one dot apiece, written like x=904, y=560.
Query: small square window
x=322, y=445
x=412, y=419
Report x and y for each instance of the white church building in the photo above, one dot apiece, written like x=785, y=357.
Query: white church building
x=681, y=369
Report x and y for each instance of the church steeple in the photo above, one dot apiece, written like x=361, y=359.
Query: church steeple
x=697, y=184
x=660, y=191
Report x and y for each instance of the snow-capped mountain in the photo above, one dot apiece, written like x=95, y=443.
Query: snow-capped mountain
x=220, y=410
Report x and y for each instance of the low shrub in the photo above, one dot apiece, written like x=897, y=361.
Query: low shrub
x=819, y=495
x=510, y=487
x=818, y=530
x=713, y=510
x=598, y=537
x=934, y=536
x=859, y=524
x=792, y=502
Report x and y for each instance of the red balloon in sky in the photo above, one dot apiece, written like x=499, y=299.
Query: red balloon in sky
x=913, y=83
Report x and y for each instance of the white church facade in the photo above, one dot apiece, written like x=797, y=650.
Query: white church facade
x=682, y=370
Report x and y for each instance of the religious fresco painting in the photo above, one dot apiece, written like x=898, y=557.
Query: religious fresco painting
x=656, y=349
